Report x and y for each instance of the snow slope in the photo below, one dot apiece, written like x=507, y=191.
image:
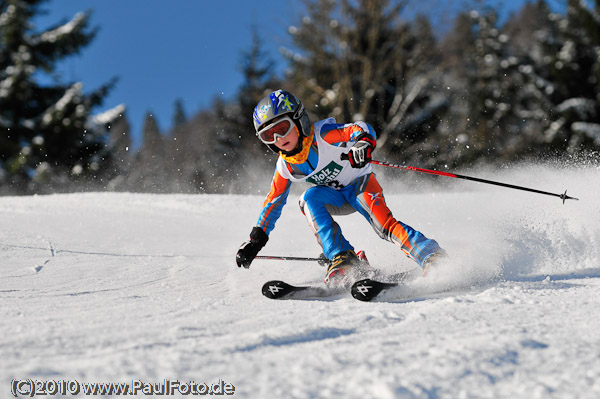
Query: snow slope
x=106, y=287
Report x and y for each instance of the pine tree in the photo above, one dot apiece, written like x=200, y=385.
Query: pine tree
x=236, y=149
x=258, y=71
x=177, y=146
x=357, y=60
x=120, y=148
x=493, y=95
x=151, y=168
x=563, y=75
x=47, y=135
x=179, y=117
x=577, y=73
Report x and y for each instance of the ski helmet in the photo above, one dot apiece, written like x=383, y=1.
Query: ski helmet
x=281, y=102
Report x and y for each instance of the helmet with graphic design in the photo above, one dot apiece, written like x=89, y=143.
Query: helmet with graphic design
x=277, y=104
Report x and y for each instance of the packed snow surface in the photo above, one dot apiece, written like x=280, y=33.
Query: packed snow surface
x=107, y=287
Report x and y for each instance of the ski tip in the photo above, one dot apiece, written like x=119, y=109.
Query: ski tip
x=367, y=289
x=276, y=289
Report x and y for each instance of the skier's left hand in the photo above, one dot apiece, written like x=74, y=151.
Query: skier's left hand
x=360, y=153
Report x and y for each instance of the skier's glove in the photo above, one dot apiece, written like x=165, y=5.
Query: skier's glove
x=249, y=249
x=360, y=153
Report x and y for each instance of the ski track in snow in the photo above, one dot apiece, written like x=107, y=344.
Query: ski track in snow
x=105, y=287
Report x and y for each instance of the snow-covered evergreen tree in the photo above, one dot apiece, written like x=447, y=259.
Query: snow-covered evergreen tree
x=563, y=74
x=486, y=80
x=47, y=132
x=576, y=70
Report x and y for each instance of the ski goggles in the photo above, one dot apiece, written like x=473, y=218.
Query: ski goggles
x=280, y=128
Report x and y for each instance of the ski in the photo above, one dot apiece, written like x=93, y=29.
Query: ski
x=367, y=289
x=277, y=289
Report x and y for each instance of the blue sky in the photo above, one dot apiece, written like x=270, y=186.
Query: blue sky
x=165, y=50
x=176, y=49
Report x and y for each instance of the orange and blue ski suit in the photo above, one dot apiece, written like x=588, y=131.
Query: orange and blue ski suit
x=339, y=190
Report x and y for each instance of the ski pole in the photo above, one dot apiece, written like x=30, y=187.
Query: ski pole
x=321, y=260
x=563, y=196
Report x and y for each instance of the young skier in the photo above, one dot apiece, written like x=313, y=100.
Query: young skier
x=313, y=153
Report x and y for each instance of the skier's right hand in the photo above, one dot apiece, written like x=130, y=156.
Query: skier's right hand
x=246, y=254
x=249, y=249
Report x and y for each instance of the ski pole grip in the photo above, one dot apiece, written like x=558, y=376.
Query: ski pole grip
x=344, y=157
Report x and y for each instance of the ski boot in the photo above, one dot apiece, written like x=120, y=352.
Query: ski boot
x=344, y=267
x=433, y=262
